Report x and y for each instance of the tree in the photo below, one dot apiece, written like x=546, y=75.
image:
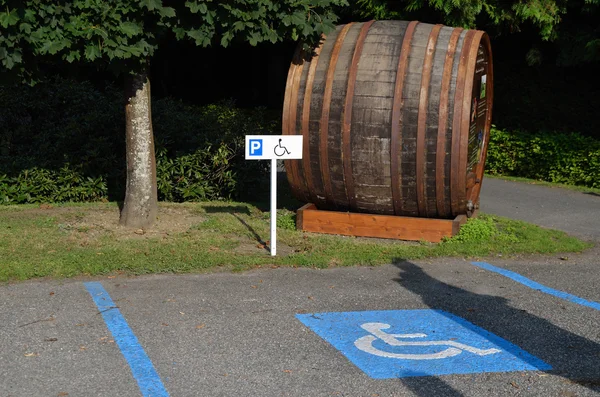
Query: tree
x=123, y=35
x=545, y=14
x=579, y=41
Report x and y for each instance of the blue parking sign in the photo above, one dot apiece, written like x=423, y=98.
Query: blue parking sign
x=402, y=343
x=256, y=147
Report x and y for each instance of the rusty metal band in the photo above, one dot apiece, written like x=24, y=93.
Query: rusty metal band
x=421, y=154
x=310, y=79
x=467, y=99
x=440, y=157
x=456, y=125
x=488, y=122
x=290, y=106
x=324, y=135
x=397, y=105
x=347, y=119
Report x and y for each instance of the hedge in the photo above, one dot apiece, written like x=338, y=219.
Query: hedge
x=64, y=141
x=572, y=159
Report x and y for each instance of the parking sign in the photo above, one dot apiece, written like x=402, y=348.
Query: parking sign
x=273, y=147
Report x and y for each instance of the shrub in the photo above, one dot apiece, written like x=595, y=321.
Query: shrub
x=484, y=228
x=200, y=150
x=64, y=141
x=41, y=185
x=476, y=230
x=554, y=157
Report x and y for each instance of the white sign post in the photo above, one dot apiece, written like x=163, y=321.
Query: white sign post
x=273, y=147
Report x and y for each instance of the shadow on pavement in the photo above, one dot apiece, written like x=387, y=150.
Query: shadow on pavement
x=430, y=386
x=571, y=356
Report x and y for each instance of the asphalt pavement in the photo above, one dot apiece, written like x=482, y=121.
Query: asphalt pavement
x=453, y=328
x=574, y=212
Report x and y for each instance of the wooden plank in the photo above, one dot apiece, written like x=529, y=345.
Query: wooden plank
x=371, y=125
x=347, y=120
x=440, y=176
x=292, y=123
x=422, y=120
x=457, y=223
x=324, y=134
x=300, y=215
x=465, y=122
x=310, y=219
x=310, y=79
x=457, y=131
x=485, y=41
x=397, y=111
x=286, y=119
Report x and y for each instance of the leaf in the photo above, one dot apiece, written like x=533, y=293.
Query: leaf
x=131, y=29
x=167, y=12
x=9, y=18
x=8, y=63
x=25, y=28
x=201, y=38
x=152, y=4
x=92, y=52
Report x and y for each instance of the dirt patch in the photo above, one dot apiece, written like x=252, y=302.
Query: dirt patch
x=94, y=222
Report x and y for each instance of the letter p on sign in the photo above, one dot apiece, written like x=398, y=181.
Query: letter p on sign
x=256, y=147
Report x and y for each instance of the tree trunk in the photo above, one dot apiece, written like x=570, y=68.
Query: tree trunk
x=141, y=199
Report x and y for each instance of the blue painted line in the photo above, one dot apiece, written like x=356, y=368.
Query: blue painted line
x=537, y=286
x=143, y=371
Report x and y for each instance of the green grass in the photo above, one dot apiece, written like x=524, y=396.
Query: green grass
x=83, y=240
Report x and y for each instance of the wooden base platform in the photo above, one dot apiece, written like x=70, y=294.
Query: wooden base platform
x=311, y=219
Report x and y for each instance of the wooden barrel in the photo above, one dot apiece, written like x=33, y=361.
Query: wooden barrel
x=395, y=117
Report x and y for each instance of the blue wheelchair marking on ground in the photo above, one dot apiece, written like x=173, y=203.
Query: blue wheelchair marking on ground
x=142, y=369
x=537, y=286
x=403, y=343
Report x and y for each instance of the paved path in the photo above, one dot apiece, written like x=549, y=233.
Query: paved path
x=574, y=212
x=239, y=334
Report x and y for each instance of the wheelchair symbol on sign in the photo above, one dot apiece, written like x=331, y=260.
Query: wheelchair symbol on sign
x=280, y=150
x=365, y=344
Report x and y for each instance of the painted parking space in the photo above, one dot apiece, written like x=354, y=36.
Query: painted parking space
x=404, y=343
x=432, y=327
x=538, y=286
x=141, y=367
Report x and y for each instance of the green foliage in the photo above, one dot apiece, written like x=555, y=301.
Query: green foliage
x=487, y=228
x=286, y=219
x=476, y=229
x=572, y=25
x=131, y=31
x=216, y=167
x=202, y=175
x=555, y=157
x=41, y=185
x=66, y=134
x=545, y=14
